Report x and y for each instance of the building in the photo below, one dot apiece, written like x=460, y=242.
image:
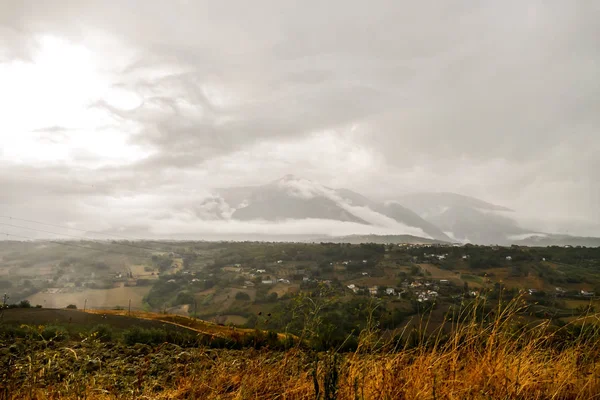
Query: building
x=426, y=295
x=390, y=291
x=267, y=281
x=373, y=290
x=353, y=287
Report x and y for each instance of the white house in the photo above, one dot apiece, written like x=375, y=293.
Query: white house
x=267, y=282
x=390, y=291
x=279, y=261
x=373, y=290
x=365, y=273
x=353, y=287
x=426, y=295
x=508, y=258
x=261, y=271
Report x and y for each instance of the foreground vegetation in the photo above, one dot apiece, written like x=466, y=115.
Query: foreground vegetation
x=481, y=355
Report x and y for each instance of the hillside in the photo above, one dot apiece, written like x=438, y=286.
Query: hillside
x=361, y=320
x=478, y=359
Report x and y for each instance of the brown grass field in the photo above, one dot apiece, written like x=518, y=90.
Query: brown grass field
x=491, y=360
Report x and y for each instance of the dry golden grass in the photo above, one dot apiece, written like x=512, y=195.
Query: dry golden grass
x=479, y=360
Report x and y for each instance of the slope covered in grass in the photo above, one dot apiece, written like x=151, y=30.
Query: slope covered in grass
x=488, y=355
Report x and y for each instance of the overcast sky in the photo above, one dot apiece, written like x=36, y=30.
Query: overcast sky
x=117, y=113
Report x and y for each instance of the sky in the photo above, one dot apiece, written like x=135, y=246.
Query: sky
x=120, y=115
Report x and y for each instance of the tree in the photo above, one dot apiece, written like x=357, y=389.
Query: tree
x=243, y=296
x=24, y=304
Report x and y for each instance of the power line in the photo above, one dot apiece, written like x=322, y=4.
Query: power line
x=74, y=245
x=76, y=237
x=85, y=230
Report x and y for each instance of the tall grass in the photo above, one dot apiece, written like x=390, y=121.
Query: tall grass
x=477, y=354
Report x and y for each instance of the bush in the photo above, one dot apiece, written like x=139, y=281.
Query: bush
x=242, y=296
x=103, y=332
x=158, y=336
x=183, y=298
x=25, y=304
x=144, y=336
x=55, y=333
x=72, y=307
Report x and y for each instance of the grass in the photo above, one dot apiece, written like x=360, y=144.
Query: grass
x=486, y=355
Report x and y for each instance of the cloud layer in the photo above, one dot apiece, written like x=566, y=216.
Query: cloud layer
x=129, y=115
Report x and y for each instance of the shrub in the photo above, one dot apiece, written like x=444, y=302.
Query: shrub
x=55, y=333
x=72, y=307
x=103, y=332
x=242, y=296
x=25, y=304
x=145, y=336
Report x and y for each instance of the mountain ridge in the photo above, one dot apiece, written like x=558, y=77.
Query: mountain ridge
x=438, y=216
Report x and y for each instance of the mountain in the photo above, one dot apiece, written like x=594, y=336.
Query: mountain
x=543, y=240
x=296, y=198
x=466, y=219
x=414, y=218
x=428, y=204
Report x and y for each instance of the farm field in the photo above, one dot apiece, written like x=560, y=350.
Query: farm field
x=96, y=298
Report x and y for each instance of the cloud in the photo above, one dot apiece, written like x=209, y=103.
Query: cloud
x=496, y=100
